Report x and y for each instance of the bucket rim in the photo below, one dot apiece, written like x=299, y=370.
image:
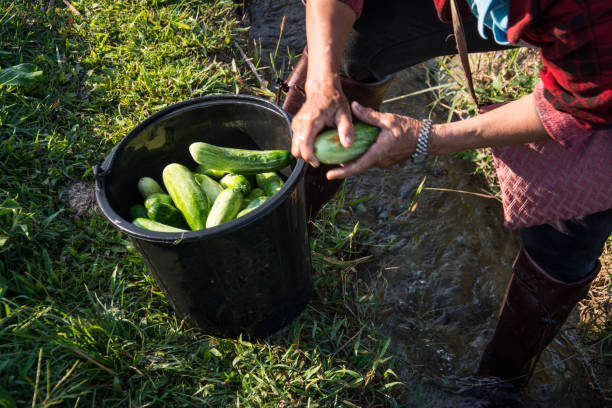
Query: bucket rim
x=125, y=226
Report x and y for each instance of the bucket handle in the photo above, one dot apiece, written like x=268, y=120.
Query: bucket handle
x=101, y=171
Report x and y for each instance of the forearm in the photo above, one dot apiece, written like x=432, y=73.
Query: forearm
x=514, y=123
x=328, y=24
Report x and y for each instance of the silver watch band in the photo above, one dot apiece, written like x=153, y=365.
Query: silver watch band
x=421, y=148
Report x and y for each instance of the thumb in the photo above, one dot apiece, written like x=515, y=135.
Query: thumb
x=366, y=115
x=345, y=129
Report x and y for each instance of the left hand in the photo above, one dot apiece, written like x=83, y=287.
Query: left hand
x=396, y=142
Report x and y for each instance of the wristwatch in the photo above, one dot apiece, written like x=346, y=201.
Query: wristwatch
x=421, y=148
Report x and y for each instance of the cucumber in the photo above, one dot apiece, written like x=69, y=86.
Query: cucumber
x=237, y=182
x=138, y=211
x=270, y=183
x=166, y=214
x=212, y=173
x=256, y=192
x=148, y=186
x=186, y=194
x=328, y=150
x=158, y=198
x=251, y=179
x=209, y=186
x=252, y=205
x=239, y=160
x=225, y=208
x=155, y=226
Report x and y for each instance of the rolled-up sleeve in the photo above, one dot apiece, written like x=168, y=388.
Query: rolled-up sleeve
x=356, y=5
x=561, y=126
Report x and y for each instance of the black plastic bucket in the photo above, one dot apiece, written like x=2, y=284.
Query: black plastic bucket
x=251, y=275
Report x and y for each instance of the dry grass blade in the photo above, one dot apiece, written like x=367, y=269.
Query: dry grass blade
x=334, y=261
x=72, y=9
x=596, y=308
x=90, y=359
x=448, y=190
x=419, y=92
x=262, y=82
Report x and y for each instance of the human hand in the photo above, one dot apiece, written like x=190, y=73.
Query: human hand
x=325, y=106
x=396, y=142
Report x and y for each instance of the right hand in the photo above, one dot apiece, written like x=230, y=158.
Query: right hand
x=325, y=106
x=396, y=142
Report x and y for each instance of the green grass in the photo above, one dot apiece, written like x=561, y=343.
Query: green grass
x=82, y=323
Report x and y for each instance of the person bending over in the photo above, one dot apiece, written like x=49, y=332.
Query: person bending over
x=552, y=148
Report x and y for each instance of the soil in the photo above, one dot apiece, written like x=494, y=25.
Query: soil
x=79, y=196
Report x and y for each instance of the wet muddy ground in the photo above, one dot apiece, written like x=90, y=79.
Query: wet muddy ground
x=443, y=266
x=445, y=273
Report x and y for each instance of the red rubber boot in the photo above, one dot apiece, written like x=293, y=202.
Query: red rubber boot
x=534, y=308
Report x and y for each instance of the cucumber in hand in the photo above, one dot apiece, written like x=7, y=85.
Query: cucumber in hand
x=328, y=150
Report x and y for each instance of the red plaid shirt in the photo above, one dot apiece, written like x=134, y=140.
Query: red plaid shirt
x=575, y=39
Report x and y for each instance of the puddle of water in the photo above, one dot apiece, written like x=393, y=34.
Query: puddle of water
x=265, y=18
x=445, y=274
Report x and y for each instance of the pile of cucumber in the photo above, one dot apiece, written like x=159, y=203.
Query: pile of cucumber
x=227, y=184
